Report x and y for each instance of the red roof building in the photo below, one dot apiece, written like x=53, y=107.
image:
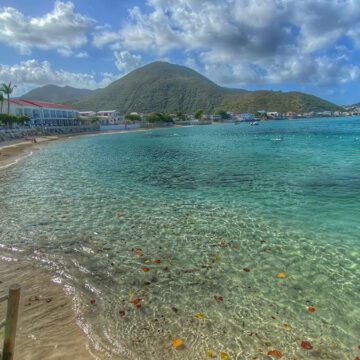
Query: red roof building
x=41, y=104
x=43, y=113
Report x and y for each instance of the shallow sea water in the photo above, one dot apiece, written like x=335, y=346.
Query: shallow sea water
x=208, y=202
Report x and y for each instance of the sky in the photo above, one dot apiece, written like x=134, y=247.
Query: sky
x=284, y=45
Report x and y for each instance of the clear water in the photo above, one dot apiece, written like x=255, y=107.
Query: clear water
x=207, y=202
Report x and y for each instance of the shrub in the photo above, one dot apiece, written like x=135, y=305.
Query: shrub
x=9, y=120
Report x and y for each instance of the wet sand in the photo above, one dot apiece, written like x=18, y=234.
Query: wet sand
x=12, y=152
x=48, y=327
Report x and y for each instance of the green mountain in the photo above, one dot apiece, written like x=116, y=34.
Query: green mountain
x=57, y=94
x=164, y=87
x=159, y=86
x=276, y=101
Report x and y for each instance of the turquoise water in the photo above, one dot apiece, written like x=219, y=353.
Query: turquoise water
x=206, y=201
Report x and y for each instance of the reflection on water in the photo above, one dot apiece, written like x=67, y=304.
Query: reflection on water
x=158, y=227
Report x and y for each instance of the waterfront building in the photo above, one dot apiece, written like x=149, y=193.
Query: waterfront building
x=245, y=117
x=87, y=114
x=324, y=113
x=291, y=115
x=43, y=113
x=215, y=117
x=110, y=117
x=274, y=115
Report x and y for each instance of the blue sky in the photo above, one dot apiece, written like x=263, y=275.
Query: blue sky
x=311, y=46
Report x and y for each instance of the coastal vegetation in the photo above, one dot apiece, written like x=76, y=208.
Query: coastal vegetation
x=159, y=117
x=1, y=102
x=198, y=114
x=132, y=117
x=9, y=120
x=224, y=115
x=7, y=89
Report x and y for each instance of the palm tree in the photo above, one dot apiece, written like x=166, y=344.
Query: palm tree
x=1, y=101
x=7, y=89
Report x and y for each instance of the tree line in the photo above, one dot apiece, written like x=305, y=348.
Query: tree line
x=168, y=118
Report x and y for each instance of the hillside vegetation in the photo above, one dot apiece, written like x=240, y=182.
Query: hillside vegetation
x=168, y=88
x=276, y=101
x=57, y=94
x=159, y=86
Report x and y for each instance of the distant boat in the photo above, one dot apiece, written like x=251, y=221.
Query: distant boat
x=278, y=139
x=254, y=123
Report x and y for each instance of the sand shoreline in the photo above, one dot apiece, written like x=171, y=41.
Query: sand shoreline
x=48, y=326
x=11, y=152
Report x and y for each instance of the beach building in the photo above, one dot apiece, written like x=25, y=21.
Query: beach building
x=110, y=117
x=245, y=117
x=87, y=114
x=274, y=115
x=324, y=113
x=291, y=115
x=43, y=113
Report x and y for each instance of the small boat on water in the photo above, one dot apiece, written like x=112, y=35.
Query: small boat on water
x=278, y=139
x=254, y=123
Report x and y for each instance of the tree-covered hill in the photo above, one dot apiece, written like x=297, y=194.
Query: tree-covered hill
x=57, y=94
x=169, y=88
x=159, y=86
x=276, y=101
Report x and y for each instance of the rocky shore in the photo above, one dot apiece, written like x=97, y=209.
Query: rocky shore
x=23, y=133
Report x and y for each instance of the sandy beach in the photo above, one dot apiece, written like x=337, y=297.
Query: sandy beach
x=14, y=151
x=48, y=327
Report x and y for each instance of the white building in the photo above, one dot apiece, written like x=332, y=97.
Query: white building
x=87, y=114
x=245, y=117
x=274, y=115
x=109, y=117
x=105, y=117
x=43, y=113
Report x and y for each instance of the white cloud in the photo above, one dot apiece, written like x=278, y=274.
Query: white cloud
x=104, y=38
x=126, y=62
x=66, y=52
x=107, y=78
x=82, y=55
x=234, y=42
x=262, y=41
x=62, y=29
x=31, y=73
x=294, y=68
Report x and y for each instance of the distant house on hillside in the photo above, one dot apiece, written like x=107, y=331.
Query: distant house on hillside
x=43, y=113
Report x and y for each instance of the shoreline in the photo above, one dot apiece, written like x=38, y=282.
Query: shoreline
x=48, y=326
x=11, y=152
